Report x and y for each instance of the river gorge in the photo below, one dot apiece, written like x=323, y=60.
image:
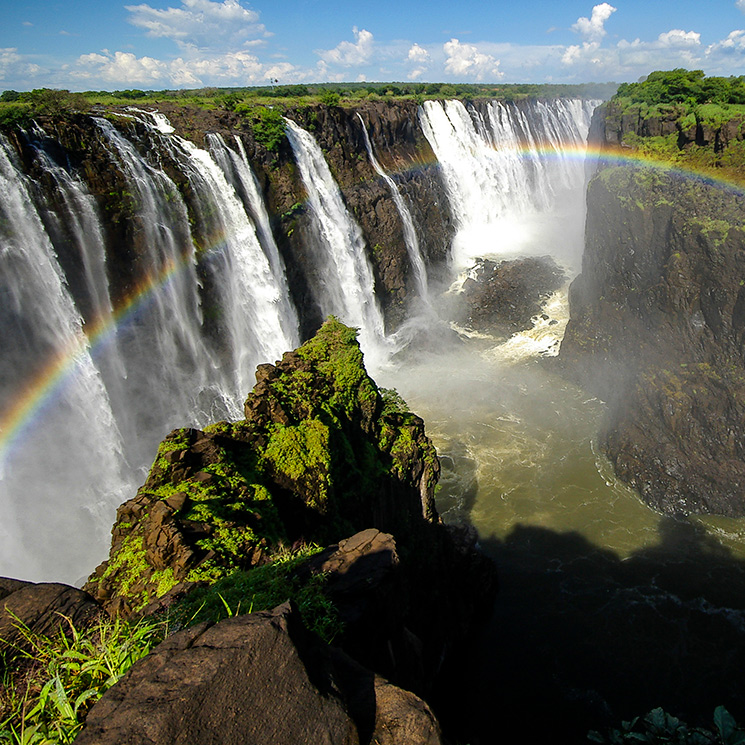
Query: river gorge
x=150, y=260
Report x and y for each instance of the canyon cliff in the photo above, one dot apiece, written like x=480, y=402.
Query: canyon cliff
x=658, y=312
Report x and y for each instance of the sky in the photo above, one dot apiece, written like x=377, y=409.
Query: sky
x=109, y=45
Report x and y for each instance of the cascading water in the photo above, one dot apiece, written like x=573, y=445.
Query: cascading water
x=155, y=363
x=261, y=323
x=510, y=172
x=410, y=236
x=348, y=287
x=55, y=519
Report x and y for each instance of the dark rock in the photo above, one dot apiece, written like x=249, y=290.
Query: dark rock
x=502, y=298
x=657, y=331
x=259, y=678
x=43, y=608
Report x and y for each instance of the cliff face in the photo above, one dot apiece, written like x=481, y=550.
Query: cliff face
x=657, y=323
x=397, y=141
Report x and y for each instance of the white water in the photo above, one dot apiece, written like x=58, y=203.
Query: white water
x=88, y=442
x=260, y=320
x=347, y=286
x=407, y=223
x=514, y=177
x=55, y=519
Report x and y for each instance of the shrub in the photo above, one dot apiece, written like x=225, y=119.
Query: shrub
x=330, y=98
x=268, y=127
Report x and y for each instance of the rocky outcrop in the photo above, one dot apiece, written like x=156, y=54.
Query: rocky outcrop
x=258, y=679
x=657, y=324
x=41, y=609
x=320, y=455
x=502, y=297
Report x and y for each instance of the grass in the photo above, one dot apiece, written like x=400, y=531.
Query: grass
x=50, y=683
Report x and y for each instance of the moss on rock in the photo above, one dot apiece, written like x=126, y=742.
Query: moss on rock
x=319, y=455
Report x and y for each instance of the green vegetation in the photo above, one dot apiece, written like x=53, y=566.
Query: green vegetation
x=685, y=119
x=264, y=588
x=680, y=86
x=18, y=108
x=50, y=683
x=658, y=727
x=267, y=125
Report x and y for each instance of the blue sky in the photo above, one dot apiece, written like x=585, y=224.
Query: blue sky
x=105, y=44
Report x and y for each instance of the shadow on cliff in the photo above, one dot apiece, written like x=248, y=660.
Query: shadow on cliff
x=581, y=639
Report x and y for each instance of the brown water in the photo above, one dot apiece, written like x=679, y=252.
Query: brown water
x=607, y=609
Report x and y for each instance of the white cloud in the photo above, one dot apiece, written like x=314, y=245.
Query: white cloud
x=232, y=68
x=200, y=23
x=593, y=28
x=420, y=59
x=348, y=54
x=734, y=43
x=741, y=5
x=678, y=38
x=466, y=61
x=16, y=68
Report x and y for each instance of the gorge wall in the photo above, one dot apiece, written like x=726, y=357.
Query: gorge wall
x=658, y=314
x=153, y=259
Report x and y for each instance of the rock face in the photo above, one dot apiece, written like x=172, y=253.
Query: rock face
x=502, y=297
x=255, y=679
x=657, y=325
x=320, y=455
x=42, y=608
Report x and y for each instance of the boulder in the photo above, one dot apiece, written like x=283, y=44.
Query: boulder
x=43, y=608
x=260, y=678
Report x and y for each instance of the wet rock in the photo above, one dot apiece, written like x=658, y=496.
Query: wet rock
x=502, y=297
x=657, y=331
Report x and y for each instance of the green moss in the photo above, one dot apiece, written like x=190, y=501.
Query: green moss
x=301, y=454
x=128, y=565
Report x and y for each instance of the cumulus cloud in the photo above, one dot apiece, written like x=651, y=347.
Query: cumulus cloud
x=466, y=61
x=741, y=5
x=678, y=38
x=232, y=68
x=420, y=59
x=199, y=23
x=733, y=44
x=593, y=28
x=350, y=54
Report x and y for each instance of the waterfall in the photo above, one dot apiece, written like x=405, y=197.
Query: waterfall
x=513, y=175
x=173, y=376
x=410, y=234
x=203, y=300
x=237, y=170
x=258, y=317
x=42, y=332
x=347, y=290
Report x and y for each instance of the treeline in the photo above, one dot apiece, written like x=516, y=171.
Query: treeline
x=680, y=86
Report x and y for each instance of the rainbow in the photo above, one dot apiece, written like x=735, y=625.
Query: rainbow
x=38, y=393
x=42, y=389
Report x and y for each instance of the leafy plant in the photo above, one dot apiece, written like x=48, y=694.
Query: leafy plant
x=52, y=682
x=659, y=727
x=268, y=127
x=263, y=588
